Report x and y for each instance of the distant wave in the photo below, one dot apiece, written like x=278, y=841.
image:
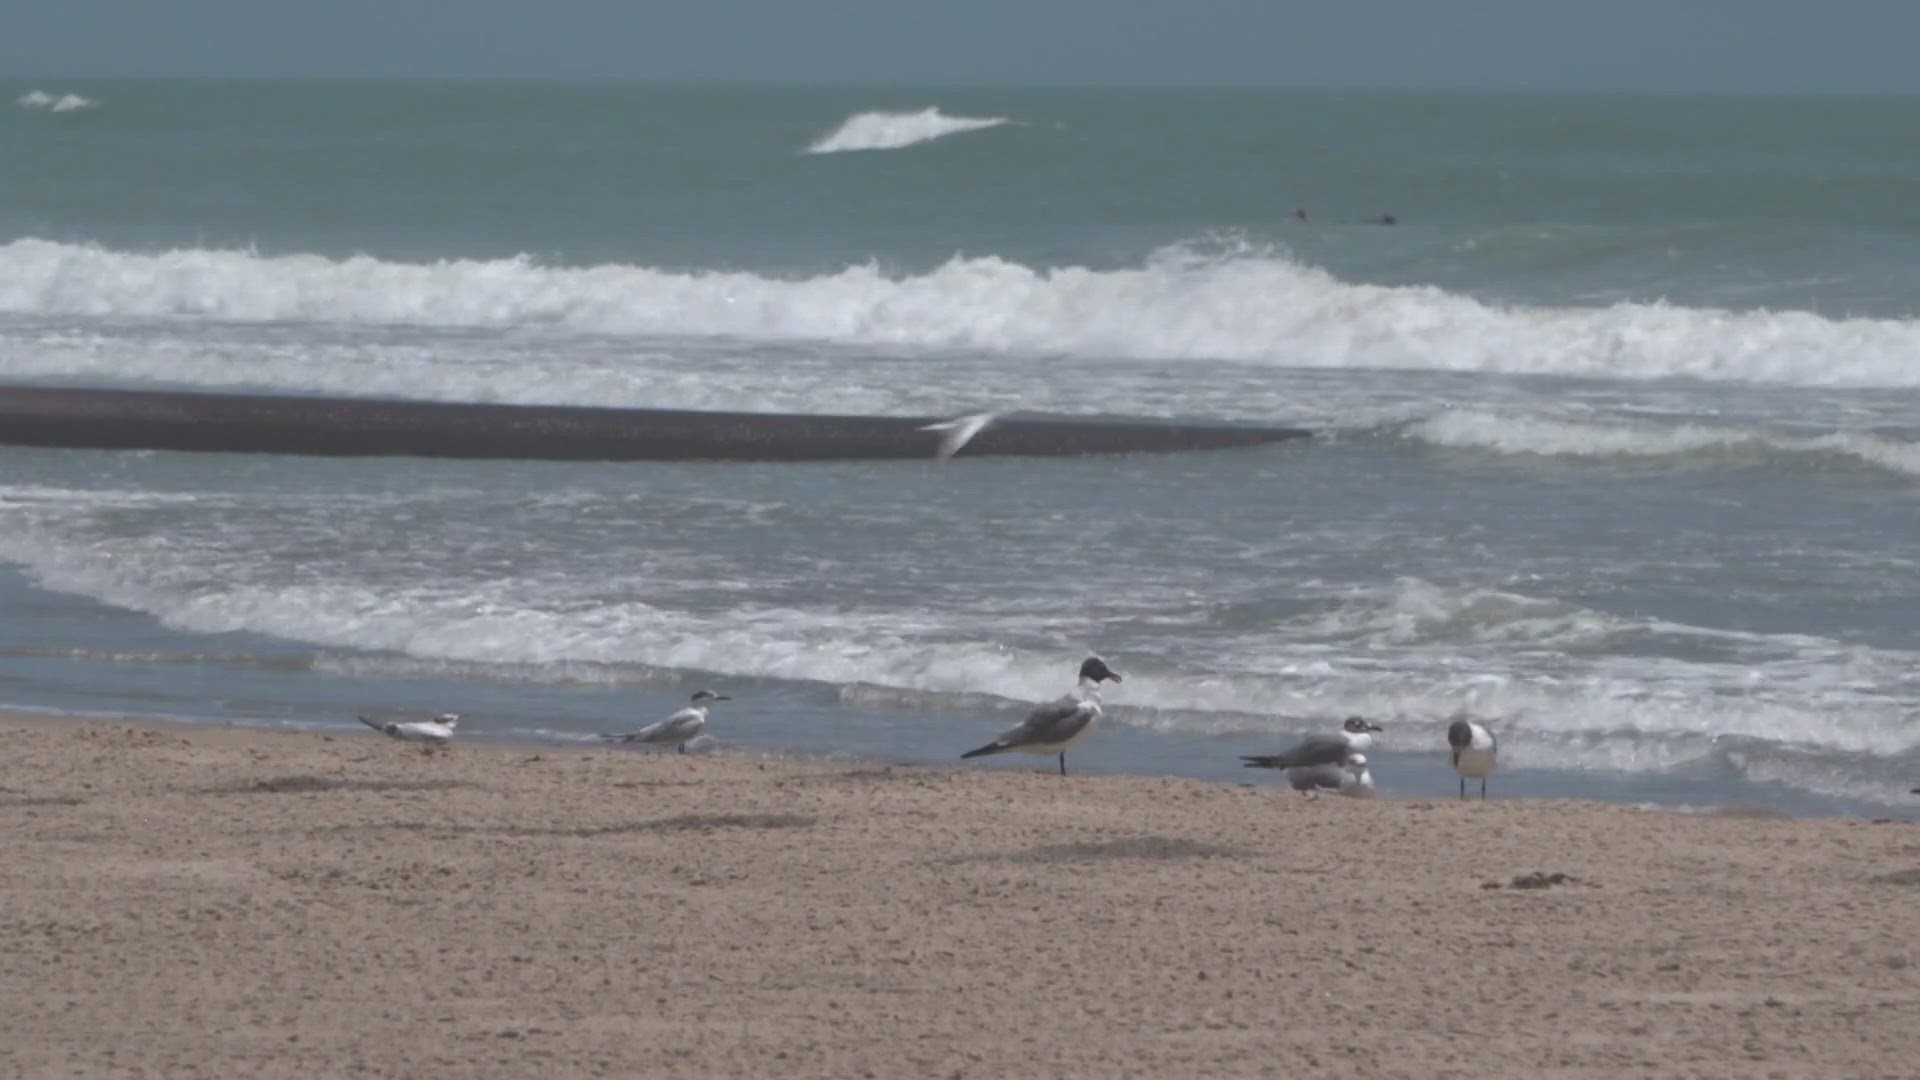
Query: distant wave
x=1554, y=437
x=62, y=102
x=1188, y=302
x=891, y=131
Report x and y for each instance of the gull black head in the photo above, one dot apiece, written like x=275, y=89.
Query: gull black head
x=702, y=697
x=1359, y=725
x=1097, y=670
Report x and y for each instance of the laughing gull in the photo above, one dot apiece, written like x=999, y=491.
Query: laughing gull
x=1053, y=727
x=435, y=732
x=1351, y=777
x=958, y=432
x=1315, y=751
x=677, y=730
x=1475, y=751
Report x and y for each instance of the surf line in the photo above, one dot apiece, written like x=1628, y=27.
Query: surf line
x=99, y=419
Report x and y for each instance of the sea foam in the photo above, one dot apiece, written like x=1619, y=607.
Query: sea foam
x=1569, y=685
x=1249, y=306
x=1515, y=434
x=893, y=130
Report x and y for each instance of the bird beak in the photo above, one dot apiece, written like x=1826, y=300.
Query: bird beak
x=721, y=697
x=1375, y=727
x=1114, y=675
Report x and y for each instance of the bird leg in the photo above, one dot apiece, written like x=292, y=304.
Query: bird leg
x=1063, y=763
x=1463, y=787
x=1483, y=789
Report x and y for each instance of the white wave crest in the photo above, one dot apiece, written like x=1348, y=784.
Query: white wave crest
x=1413, y=612
x=1245, y=305
x=62, y=102
x=891, y=131
x=1515, y=434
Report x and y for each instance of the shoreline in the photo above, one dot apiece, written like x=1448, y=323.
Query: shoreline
x=196, y=901
x=1798, y=805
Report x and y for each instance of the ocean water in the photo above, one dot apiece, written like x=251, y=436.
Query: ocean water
x=1619, y=443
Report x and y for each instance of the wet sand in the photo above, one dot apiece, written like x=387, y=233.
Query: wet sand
x=189, y=902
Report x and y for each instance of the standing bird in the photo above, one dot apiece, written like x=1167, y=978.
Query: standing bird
x=677, y=730
x=1321, y=752
x=1053, y=727
x=1475, y=751
x=435, y=732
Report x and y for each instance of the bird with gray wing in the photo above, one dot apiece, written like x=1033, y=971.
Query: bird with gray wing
x=1317, y=752
x=958, y=432
x=435, y=732
x=1051, y=728
x=1475, y=753
x=1351, y=778
x=677, y=730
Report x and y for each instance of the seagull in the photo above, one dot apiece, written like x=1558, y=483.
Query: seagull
x=1474, y=753
x=1053, y=727
x=1351, y=777
x=435, y=732
x=1315, y=751
x=677, y=730
x=958, y=432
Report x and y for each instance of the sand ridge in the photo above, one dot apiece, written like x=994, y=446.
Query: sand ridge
x=212, y=902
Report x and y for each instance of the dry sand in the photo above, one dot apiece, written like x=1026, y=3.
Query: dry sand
x=209, y=902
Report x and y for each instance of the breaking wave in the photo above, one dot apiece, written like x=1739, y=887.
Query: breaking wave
x=893, y=130
x=59, y=103
x=1513, y=434
x=1246, y=305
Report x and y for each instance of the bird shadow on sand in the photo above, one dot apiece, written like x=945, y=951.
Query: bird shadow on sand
x=306, y=784
x=682, y=823
x=1152, y=848
x=40, y=800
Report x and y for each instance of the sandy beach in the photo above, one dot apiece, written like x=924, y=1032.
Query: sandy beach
x=214, y=902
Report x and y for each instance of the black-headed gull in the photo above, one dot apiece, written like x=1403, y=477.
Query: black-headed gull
x=1051, y=728
x=1475, y=753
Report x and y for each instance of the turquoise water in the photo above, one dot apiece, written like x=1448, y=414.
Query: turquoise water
x=1619, y=426
x=1792, y=202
